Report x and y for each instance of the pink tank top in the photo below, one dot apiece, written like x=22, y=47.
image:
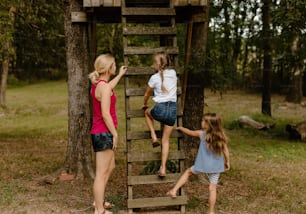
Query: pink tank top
x=98, y=124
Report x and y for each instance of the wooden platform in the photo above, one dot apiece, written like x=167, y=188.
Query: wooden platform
x=110, y=11
x=117, y=3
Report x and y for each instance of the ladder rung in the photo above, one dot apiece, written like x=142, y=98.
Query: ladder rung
x=149, y=50
x=153, y=179
x=155, y=202
x=140, y=113
x=151, y=156
x=135, y=71
x=129, y=92
x=133, y=11
x=149, y=31
x=139, y=71
x=139, y=135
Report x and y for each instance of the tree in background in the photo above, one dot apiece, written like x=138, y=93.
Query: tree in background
x=289, y=19
x=267, y=58
x=6, y=45
x=39, y=40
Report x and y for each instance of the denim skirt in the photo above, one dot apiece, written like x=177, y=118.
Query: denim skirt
x=165, y=113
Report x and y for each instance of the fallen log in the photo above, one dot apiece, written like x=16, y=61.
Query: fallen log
x=245, y=120
x=297, y=131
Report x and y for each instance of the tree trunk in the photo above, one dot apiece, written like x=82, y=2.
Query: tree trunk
x=194, y=98
x=5, y=68
x=296, y=90
x=79, y=150
x=267, y=68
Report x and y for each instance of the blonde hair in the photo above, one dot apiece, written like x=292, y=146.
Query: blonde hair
x=215, y=135
x=103, y=64
x=163, y=61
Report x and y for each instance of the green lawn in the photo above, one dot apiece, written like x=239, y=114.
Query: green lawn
x=268, y=172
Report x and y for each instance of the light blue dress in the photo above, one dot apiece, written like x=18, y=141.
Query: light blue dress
x=206, y=161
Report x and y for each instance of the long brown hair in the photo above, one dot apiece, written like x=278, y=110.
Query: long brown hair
x=215, y=135
x=163, y=61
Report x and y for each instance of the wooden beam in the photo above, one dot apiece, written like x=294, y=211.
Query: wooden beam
x=79, y=16
x=153, y=179
x=96, y=3
x=108, y=3
x=117, y=3
x=154, y=202
x=87, y=3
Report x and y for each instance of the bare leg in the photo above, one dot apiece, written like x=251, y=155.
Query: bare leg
x=104, y=166
x=212, y=198
x=150, y=123
x=182, y=180
x=165, y=147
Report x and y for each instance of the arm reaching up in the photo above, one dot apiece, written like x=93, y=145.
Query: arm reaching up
x=192, y=133
x=116, y=79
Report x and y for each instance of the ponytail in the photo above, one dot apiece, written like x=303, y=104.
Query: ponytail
x=163, y=61
x=102, y=65
x=94, y=76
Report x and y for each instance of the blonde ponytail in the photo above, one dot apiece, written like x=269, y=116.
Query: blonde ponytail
x=163, y=61
x=103, y=64
x=94, y=77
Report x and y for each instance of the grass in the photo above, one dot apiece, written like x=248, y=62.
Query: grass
x=267, y=171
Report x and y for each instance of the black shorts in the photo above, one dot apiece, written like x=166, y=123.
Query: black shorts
x=102, y=141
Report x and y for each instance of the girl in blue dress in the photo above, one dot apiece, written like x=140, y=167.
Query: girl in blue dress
x=212, y=157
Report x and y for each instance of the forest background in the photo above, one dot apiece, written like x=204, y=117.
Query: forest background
x=32, y=44
x=33, y=50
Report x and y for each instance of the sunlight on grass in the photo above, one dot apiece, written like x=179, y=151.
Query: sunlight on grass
x=267, y=170
x=37, y=110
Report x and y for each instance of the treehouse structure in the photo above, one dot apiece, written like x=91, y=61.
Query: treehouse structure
x=155, y=20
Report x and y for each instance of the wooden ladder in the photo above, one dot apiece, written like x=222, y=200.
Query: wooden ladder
x=152, y=22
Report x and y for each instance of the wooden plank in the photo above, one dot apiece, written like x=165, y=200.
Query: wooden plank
x=203, y=2
x=135, y=113
x=149, y=31
x=151, y=156
x=96, y=3
x=140, y=113
x=135, y=71
x=108, y=3
x=153, y=179
x=153, y=11
x=147, y=50
x=140, y=91
x=182, y=2
x=155, y=202
x=79, y=16
x=87, y=3
x=176, y=2
x=195, y=2
x=135, y=91
x=117, y=3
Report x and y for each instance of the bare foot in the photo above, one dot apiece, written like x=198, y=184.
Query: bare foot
x=161, y=173
x=171, y=193
x=106, y=204
x=103, y=212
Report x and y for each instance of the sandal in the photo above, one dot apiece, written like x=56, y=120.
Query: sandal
x=155, y=144
x=161, y=175
x=106, y=204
